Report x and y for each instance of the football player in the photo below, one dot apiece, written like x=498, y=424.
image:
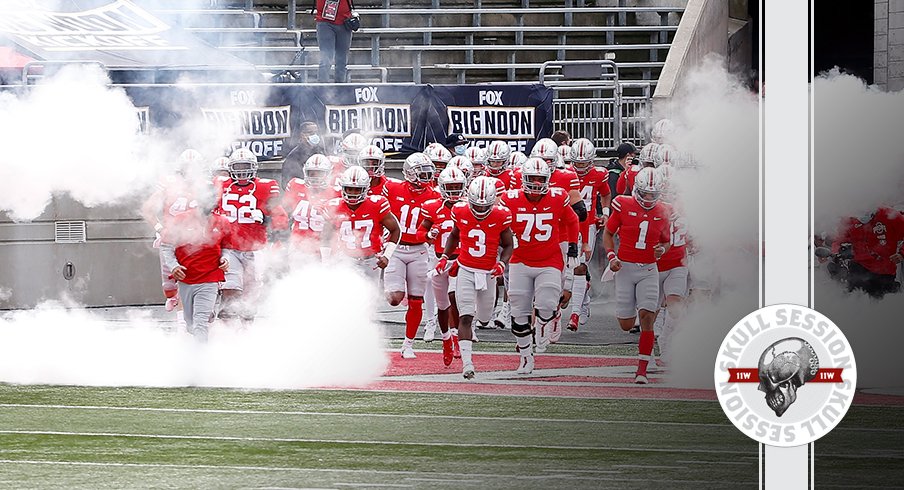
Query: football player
x=169, y=199
x=406, y=275
x=596, y=196
x=439, y=155
x=306, y=199
x=482, y=236
x=673, y=271
x=563, y=178
x=372, y=159
x=464, y=164
x=540, y=214
x=435, y=227
x=642, y=225
x=252, y=206
x=478, y=157
x=357, y=223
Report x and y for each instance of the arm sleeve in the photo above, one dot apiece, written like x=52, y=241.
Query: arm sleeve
x=580, y=210
x=570, y=223
x=168, y=252
x=614, y=220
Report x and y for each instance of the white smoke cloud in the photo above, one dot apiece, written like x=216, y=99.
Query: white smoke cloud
x=307, y=335
x=859, y=153
x=858, y=167
x=73, y=134
x=716, y=120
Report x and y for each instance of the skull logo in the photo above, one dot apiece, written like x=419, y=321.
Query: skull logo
x=784, y=367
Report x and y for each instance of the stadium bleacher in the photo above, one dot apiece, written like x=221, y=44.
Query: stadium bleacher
x=452, y=42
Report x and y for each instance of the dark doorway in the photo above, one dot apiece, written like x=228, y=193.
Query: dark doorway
x=844, y=37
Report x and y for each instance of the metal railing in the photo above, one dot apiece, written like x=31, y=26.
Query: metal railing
x=589, y=101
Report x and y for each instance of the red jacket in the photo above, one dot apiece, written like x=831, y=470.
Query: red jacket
x=344, y=12
x=874, y=242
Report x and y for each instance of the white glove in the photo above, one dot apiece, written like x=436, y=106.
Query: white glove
x=257, y=215
x=432, y=233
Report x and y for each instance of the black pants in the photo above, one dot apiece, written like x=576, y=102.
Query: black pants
x=875, y=285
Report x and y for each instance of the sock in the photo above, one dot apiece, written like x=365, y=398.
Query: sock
x=665, y=338
x=645, y=350
x=408, y=342
x=578, y=291
x=413, y=317
x=465, y=347
x=454, y=332
x=429, y=303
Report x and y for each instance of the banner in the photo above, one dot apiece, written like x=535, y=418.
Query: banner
x=400, y=119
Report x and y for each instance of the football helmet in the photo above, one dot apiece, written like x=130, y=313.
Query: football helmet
x=351, y=146
x=451, y=183
x=547, y=150
x=482, y=196
x=371, y=158
x=662, y=131
x=464, y=164
x=517, y=159
x=668, y=173
x=354, y=184
x=478, y=157
x=242, y=165
x=648, y=187
x=647, y=155
x=498, y=157
x=418, y=169
x=565, y=155
x=535, y=175
x=317, y=171
x=665, y=155
x=438, y=154
x=583, y=152
x=220, y=166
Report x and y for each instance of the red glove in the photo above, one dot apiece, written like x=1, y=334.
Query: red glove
x=453, y=271
x=441, y=265
x=498, y=269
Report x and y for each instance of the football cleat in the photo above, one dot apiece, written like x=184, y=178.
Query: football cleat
x=430, y=330
x=503, y=316
x=640, y=379
x=468, y=371
x=555, y=332
x=527, y=365
x=574, y=322
x=635, y=329
x=408, y=352
x=484, y=325
x=456, y=352
x=542, y=345
x=448, y=352
x=171, y=303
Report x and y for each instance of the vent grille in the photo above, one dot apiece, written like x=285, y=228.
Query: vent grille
x=70, y=232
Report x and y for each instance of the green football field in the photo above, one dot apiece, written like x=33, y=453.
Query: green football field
x=79, y=437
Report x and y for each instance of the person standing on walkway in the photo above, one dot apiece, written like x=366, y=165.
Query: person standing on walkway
x=335, y=21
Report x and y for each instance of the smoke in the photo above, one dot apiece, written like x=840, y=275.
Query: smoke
x=858, y=168
x=308, y=335
x=716, y=120
x=858, y=148
x=74, y=134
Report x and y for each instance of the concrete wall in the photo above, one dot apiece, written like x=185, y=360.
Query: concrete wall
x=888, y=44
x=703, y=31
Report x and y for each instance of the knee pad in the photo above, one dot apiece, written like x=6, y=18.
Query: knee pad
x=520, y=329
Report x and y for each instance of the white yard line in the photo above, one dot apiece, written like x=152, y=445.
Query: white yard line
x=361, y=415
x=463, y=477
x=360, y=442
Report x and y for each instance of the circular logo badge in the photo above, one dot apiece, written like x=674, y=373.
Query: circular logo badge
x=785, y=375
